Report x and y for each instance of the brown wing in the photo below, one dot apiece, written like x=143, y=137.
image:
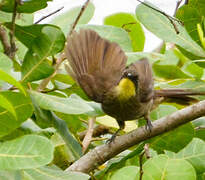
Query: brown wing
x=143, y=70
x=96, y=64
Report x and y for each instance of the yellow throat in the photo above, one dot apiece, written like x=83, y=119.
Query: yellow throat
x=125, y=89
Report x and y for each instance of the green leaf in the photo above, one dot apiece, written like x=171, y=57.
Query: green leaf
x=131, y=25
x=22, y=19
x=65, y=20
x=7, y=105
x=30, y=151
x=9, y=79
x=70, y=141
x=49, y=173
x=182, y=135
x=114, y=34
x=161, y=167
x=23, y=108
x=194, y=152
x=113, y=165
x=5, y=63
x=27, y=34
x=199, y=5
x=162, y=27
x=193, y=69
x=10, y=175
x=35, y=66
x=65, y=105
x=127, y=172
x=191, y=17
x=27, y=6
x=169, y=71
x=199, y=126
x=152, y=56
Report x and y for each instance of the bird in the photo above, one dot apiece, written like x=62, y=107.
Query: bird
x=125, y=92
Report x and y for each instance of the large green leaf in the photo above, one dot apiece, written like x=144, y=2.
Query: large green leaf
x=65, y=20
x=182, y=135
x=26, y=7
x=194, y=152
x=4, y=103
x=23, y=107
x=49, y=173
x=22, y=19
x=5, y=63
x=9, y=79
x=199, y=125
x=65, y=105
x=191, y=17
x=161, y=26
x=169, y=71
x=199, y=5
x=114, y=34
x=26, y=152
x=70, y=141
x=131, y=25
x=161, y=167
x=48, y=43
x=127, y=172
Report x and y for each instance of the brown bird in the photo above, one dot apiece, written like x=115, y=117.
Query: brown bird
x=99, y=67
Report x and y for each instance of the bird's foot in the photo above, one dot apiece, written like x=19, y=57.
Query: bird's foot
x=112, y=139
x=149, y=126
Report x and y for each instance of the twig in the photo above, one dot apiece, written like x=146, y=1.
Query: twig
x=5, y=41
x=199, y=127
x=98, y=131
x=146, y=150
x=171, y=19
x=88, y=137
x=177, y=6
x=78, y=17
x=13, y=48
x=52, y=13
x=101, y=154
x=141, y=164
x=45, y=82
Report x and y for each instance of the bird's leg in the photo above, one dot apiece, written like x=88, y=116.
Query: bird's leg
x=121, y=125
x=148, y=126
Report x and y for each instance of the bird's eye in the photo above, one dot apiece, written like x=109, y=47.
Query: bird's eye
x=129, y=74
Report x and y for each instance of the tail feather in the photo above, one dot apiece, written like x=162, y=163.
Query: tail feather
x=95, y=63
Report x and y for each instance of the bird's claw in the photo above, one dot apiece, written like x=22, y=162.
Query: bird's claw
x=149, y=126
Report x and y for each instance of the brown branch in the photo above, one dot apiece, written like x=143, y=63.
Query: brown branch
x=177, y=7
x=78, y=17
x=88, y=137
x=5, y=41
x=141, y=164
x=102, y=153
x=98, y=131
x=52, y=13
x=13, y=48
x=45, y=82
x=146, y=149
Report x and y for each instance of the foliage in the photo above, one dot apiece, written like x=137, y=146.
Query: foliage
x=40, y=127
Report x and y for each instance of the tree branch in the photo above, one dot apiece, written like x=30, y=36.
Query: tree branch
x=13, y=48
x=102, y=153
x=5, y=41
x=52, y=13
x=78, y=17
x=88, y=137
